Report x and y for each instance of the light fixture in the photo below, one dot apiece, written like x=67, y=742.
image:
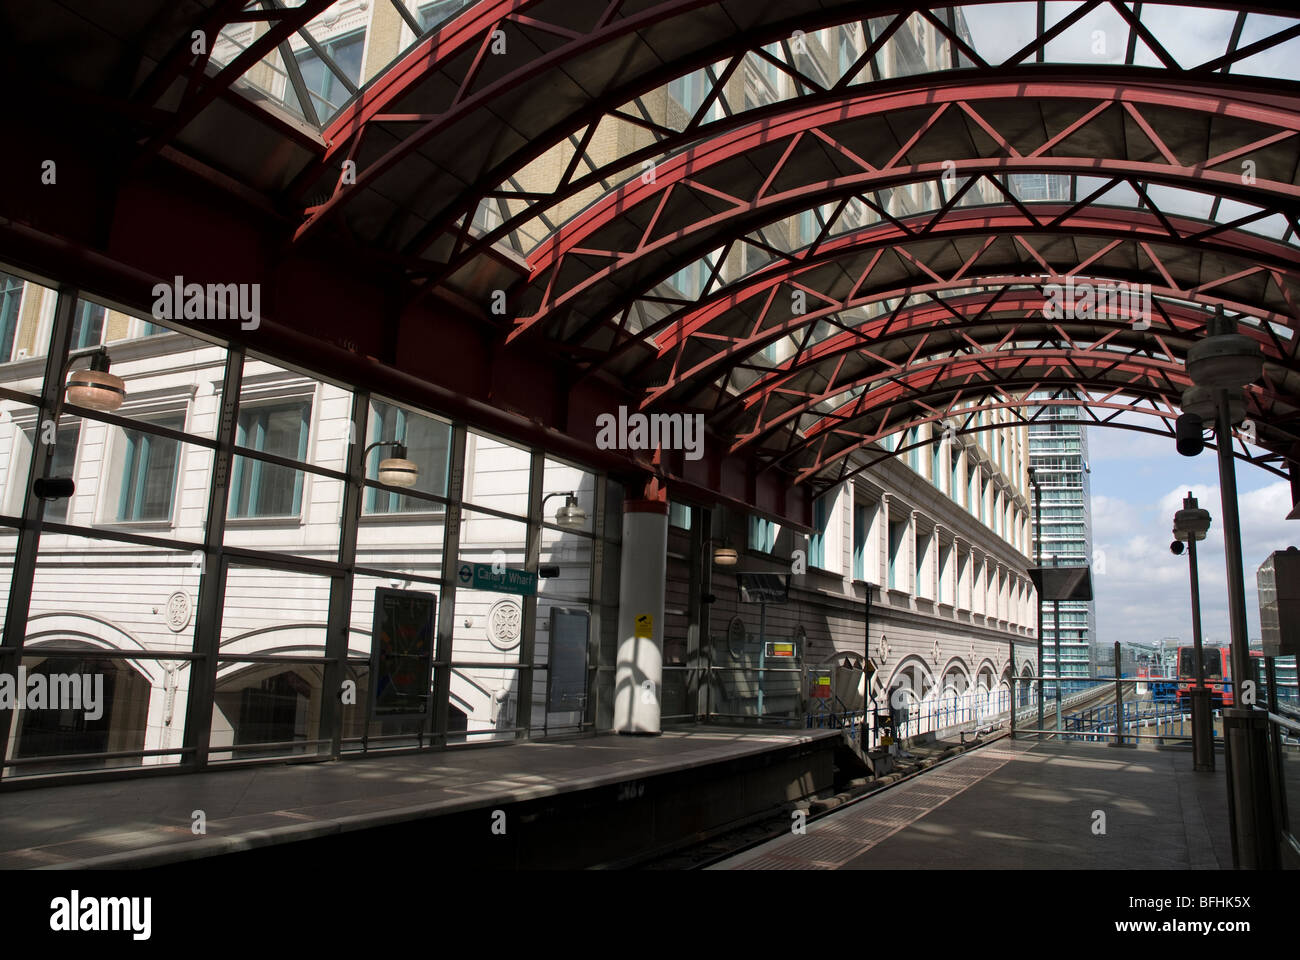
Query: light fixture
x=725, y=555
x=95, y=388
x=570, y=515
x=1192, y=521
x=397, y=470
x=1224, y=359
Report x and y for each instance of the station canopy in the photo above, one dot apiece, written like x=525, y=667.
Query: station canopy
x=899, y=231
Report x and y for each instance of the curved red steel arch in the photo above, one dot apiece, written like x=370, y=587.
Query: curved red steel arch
x=755, y=398
x=462, y=47
x=1280, y=115
x=1167, y=414
x=968, y=314
x=817, y=111
x=1255, y=254
x=1252, y=252
x=592, y=43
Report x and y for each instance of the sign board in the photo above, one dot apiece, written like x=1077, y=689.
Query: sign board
x=643, y=626
x=780, y=648
x=1062, y=583
x=821, y=687
x=566, y=687
x=401, y=654
x=482, y=576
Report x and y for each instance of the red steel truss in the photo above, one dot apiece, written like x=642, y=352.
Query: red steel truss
x=905, y=317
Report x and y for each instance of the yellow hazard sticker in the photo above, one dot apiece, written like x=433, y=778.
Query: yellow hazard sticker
x=644, y=626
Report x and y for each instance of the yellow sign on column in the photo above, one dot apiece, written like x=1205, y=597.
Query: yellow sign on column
x=644, y=628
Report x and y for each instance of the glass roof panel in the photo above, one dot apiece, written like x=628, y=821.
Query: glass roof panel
x=325, y=63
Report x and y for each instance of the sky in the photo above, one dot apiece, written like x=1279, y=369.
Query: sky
x=1142, y=590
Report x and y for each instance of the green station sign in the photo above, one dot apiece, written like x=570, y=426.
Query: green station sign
x=482, y=576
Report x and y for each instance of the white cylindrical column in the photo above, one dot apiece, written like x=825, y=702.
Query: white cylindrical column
x=638, y=676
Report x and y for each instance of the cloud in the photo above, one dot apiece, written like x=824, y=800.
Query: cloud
x=1143, y=593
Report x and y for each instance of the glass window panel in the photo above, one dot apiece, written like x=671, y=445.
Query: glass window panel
x=26, y=323
x=95, y=704
x=274, y=612
x=87, y=325
x=8, y=545
x=275, y=392
x=571, y=554
x=171, y=372
x=328, y=92
x=63, y=465
x=402, y=541
x=148, y=480
x=496, y=474
x=388, y=733
x=364, y=586
x=137, y=481
x=489, y=699
x=283, y=510
x=261, y=489
x=428, y=445
x=561, y=478
x=435, y=14
x=18, y=433
x=11, y=297
x=265, y=490
x=679, y=516
x=114, y=595
x=488, y=624
x=266, y=703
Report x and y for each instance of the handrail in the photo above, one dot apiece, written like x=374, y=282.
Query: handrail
x=1284, y=722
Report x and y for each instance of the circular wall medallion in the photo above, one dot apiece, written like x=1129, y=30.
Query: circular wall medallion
x=178, y=611
x=503, y=622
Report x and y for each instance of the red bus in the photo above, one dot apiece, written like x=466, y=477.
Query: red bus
x=1218, y=673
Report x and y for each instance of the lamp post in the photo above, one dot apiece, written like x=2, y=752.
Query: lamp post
x=1223, y=363
x=1190, y=525
x=1038, y=595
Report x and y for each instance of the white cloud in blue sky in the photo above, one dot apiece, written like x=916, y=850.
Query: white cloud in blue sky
x=1138, y=482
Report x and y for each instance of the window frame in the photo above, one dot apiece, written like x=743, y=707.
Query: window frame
x=240, y=458
x=130, y=460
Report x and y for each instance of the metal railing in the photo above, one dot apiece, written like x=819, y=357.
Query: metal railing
x=1284, y=743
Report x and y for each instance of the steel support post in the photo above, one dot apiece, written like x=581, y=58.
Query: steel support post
x=29, y=534
x=1202, y=727
x=1245, y=729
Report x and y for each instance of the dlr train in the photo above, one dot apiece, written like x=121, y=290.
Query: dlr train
x=1217, y=674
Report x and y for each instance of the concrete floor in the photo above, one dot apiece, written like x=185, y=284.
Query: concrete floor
x=1025, y=806
x=147, y=821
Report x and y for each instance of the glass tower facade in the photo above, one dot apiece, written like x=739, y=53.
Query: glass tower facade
x=1058, y=452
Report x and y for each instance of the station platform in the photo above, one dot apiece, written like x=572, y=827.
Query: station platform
x=1024, y=805
x=580, y=802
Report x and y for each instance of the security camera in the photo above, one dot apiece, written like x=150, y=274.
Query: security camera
x=1176, y=548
